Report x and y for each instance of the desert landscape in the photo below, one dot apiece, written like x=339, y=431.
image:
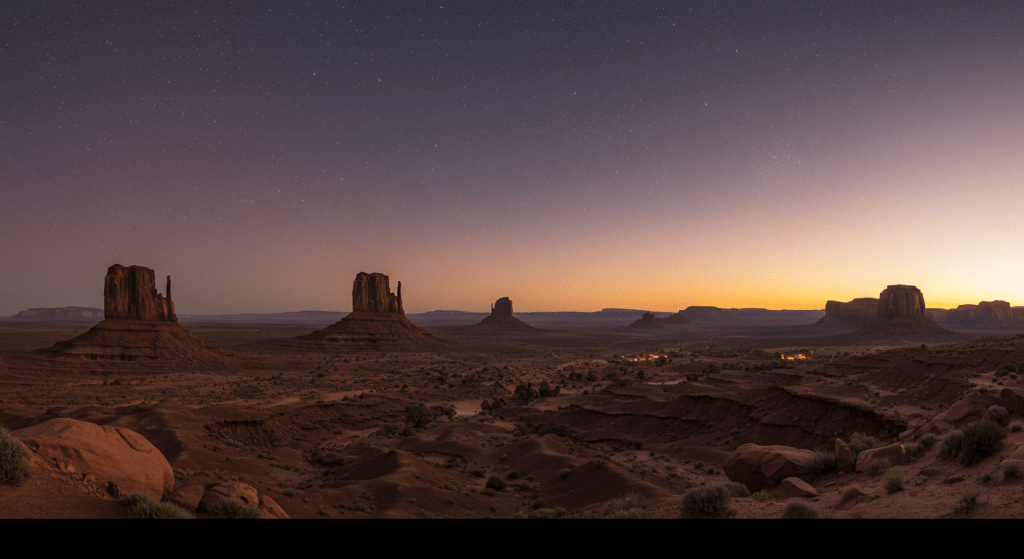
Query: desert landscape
x=375, y=417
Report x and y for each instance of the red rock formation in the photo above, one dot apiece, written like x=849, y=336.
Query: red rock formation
x=856, y=313
x=71, y=314
x=130, y=293
x=371, y=293
x=901, y=300
x=501, y=317
x=985, y=312
x=648, y=320
x=502, y=306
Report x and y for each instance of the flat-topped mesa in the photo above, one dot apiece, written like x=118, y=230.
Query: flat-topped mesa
x=502, y=306
x=900, y=301
x=129, y=293
x=858, y=312
x=371, y=293
x=985, y=312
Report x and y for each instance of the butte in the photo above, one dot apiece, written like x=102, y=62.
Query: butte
x=501, y=318
x=648, y=320
x=139, y=325
x=377, y=321
x=855, y=314
x=901, y=318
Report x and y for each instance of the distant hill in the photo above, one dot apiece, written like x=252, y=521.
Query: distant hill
x=65, y=314
x=716, y=315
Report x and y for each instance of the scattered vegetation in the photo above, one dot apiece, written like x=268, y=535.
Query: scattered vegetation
x=967, y=503
x=495, y=483
x=877, y=466
x=981, y=439
x=893, y=480
x=762, y=495
x=141, y=505
x=230, y=508
x=736, y=489
x=1011, y=470
x=13, y=467
x=629, y=505
x=564, y=473
x=859, y=442
x=821, y=464
x=799, y=508
x=705, y=501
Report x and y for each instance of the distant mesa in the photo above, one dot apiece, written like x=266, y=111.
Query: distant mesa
x=377, y=321
x=901, y=317
x=501, y=317
x=139, y=324
x=985, y=312
x=855, y=314
x=648, y=320
x=716, y=315
x=62, y=314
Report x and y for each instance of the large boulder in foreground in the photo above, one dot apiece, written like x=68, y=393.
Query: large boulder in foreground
x=759, y=467
x=107, y=453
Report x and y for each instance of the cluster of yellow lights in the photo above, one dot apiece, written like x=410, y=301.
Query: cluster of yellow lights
x=648, y=357
x=797, y=356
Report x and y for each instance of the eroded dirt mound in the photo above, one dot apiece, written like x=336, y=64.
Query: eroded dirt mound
x=136, y=340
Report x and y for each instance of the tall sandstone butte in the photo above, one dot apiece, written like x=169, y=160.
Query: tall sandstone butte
x=501, y=317
x=372, y=293
x=129, y=293
x=502, y=306
x=901, y=300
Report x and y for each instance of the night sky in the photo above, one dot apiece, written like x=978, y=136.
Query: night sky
x=568, y=155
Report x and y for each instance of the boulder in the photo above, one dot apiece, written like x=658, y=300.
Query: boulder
x=759, y=466
x=109, y=454
x=896, y=453
x=844, y=456
x=241, y=492
x=188, y=497
x=130, y=293
x=371, y=293
x=999, y=414
x=796, y=487
x=270, y=509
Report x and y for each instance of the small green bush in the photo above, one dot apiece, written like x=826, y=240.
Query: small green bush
x=141, y=505
x=893, y=480
x=418, y=415
x=951, y=444
x=967, y=503
x=736, y=489
x=821, y=464
x=1011, y=470
x=877, y=466
x=230, y=508
x=799, y=508
x=628, y=502
x=540, y=503
x=13, y=467
x=564, y=473
x=487, y=492
x=630, y=513
x=519, y=515
x=496, y=483
x=1015, y=427
x=981, y=439
x=545, y=513
x=859, y=442
x=762, y=495
x=479, y=472
x=709, y=500
x=512, y=474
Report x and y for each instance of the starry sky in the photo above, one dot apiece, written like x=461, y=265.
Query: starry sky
x=571, y=155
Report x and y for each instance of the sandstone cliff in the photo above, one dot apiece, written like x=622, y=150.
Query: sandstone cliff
x=371, y=293
x=858, y=312
x=130, y=293
x=901, y=319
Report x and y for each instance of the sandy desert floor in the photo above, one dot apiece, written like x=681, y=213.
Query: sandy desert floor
x=637, y=412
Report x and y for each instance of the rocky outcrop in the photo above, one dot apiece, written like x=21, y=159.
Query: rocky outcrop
x=759, y=467
x=371, y=293
x=501, y=317
x=985, y=312
x=108, y=454
x=648, y=320
x=130, y=293
x=377, y=321
x=901, y=300
x=858, y=312
x=70, y=314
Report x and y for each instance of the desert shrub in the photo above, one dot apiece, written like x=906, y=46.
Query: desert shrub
x=628, y=502
x=479, y=472
x=630, y=513
x=736, y=489
x=762, y=495
x=967, y=503
x=496, y=483
x=230, y=508
x=709, y=500
x=877, y=466
x=519, y=515
x=564, y=473
x=525, y=393
x=1011, y=470
x=545, y=390
x=512, y=474
x=893, y=480
x=859, y=442
x=951, y=444
x=487, y=492
x=928, y=441
x=799, y=508
x=1014, y=427
x=540, y=503
x=418, y=415
x=545, y=513
x=821, y=464
x=981, y=439
x=848, y=494
x=141, y=505
x=13, y=467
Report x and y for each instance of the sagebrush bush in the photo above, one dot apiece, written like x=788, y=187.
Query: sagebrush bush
x=877, y=466
x=230, y=508
x=736, y=489
x=762, y=495
x=630, y=513
x=141, y=505
x=967, y=503
x=821, y=464
x=709, y=500
x=981, y=439
x=13, y=467
x=893, y=480
x=951, y=444
x=859, y=442
x=496, y=483
x=1011, y=470
x=799, y=508
x=629, y=501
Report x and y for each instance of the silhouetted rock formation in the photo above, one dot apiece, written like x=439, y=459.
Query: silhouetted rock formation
x=140, y=325
x=377, y=321
x=130, y=293
x=985, y=312
x=858, y=312
x=901, y=319
x=716, y=315
x=648, y=320
x=371, y=293
x=70, y=314
x=501, y=317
